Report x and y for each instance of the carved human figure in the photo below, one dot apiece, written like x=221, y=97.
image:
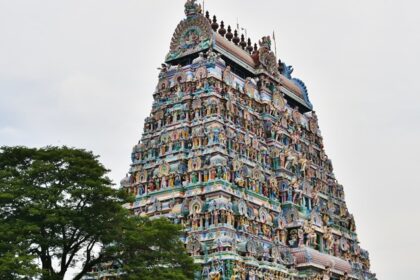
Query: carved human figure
x=266, y=230
x=228, y=218
x=163, y=183
x=300, y=237
x=171, y=181
x=303, y=164
x=223, y=217
x=222, y=138
x=242, y=272
x=326, y=218
x=352, y=224
x=295, y=137
x=194, y=177
x=206, y=220
x=213, y=173
x=283, y=157
x=216, y=217
x=329, y=240
x=291, y=159
x=219, y=172
x=310, y=236
x=177, y=180
x=293, y=238
x=336, y=247
x=186, y=180
x=294, y=188
x=314, y=197
x=195, y=221
x=297, y=196
x=306, y=230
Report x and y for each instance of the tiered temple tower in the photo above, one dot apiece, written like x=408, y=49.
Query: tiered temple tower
x=232, y=151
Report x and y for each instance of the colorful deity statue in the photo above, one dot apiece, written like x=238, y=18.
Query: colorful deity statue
x=291, y=159
x=329, y=240
x=311, y=237
x=303, y=165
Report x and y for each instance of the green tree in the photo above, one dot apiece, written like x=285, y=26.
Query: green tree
x=58, y=210
x=15, y=260
x=157, y=253
x=59, y=206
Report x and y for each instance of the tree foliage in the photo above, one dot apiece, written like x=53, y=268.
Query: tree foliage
x=58, y=209
x=156, y=253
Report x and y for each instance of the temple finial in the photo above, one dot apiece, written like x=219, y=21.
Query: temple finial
x=243, y=42
x=214, y=25
x=249, y=47
x=192, y=8
x=236, y=39
x=229, y=34
x=222, y=30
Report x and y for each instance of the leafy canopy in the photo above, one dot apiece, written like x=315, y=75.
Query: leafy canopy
x=58, y=210
x=156, y=253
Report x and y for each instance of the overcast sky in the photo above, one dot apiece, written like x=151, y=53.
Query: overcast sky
x=82, y=73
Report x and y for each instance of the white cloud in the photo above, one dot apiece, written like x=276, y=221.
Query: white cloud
x=8, y=132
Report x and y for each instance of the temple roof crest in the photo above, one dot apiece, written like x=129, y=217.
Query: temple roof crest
x=192, y=8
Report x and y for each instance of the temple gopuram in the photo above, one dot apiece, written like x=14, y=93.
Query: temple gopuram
x=233, y=152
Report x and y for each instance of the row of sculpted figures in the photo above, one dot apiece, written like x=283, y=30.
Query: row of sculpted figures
x=227, y=225
x=207, y=132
